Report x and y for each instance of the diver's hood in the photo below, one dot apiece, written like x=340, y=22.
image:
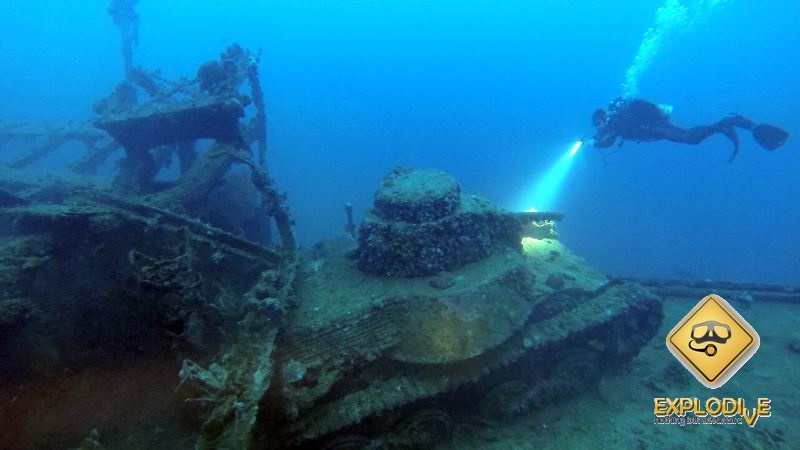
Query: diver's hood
x=769, y=136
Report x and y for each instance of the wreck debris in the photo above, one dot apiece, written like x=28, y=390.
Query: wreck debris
x=154, y=119
x=44, y=139
x=191, y=194
x=180, y=306
x=129, y=272
x=349, y=226
x=257, y=129
x=228, y=399
x=212, y=119
x=179, y=114
x=539, y=216
x=209, y=107
x=199, y=230
x=124, y=14
x=228, y=395
x=739, y=292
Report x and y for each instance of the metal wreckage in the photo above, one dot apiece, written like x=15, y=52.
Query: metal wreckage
x=383, y=341
x=377, y=339
x=194, y=326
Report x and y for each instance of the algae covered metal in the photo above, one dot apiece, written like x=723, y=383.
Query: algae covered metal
x=363, y=350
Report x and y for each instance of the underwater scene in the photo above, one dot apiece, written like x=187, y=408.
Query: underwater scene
x=399, y=224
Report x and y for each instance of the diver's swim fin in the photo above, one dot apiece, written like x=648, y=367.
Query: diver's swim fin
x=769, y=136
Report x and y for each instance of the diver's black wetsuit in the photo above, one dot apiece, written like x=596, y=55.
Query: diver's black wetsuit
x=640, y=120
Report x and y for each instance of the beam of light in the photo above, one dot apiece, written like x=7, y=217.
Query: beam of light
x=575, y=147
x=542, y=194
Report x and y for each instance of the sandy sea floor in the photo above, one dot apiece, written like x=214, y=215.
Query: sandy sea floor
x=618, y=413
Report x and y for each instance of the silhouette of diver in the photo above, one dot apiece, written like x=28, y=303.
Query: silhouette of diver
x=640, y=120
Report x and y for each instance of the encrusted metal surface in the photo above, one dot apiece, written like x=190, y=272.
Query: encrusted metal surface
x=361, y=345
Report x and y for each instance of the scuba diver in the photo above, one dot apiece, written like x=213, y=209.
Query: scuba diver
x=640, y=120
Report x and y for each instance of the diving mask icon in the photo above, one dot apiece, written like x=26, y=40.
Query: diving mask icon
x=709, y=331
x=713, y=341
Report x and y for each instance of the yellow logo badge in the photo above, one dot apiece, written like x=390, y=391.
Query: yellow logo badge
x=713, y=341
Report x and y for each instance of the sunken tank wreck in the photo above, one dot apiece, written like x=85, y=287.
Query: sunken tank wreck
x=236, y=345
x=163, y=316
x=391, y=341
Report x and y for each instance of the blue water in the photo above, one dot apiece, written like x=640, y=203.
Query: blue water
x=493, y=92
